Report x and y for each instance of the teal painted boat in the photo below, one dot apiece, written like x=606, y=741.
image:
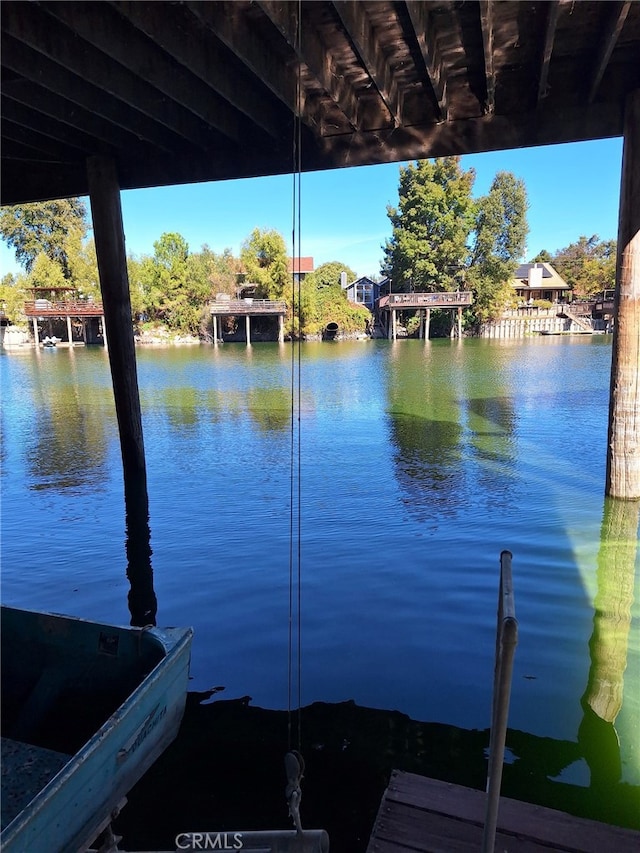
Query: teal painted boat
x=86, y=709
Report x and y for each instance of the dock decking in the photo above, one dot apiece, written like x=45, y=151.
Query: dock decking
x=424, y=815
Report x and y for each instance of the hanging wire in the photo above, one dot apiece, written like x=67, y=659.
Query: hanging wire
x=295, y=520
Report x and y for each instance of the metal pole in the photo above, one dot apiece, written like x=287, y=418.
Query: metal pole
x=506, y=641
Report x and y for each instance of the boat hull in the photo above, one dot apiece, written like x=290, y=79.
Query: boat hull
x=59, y=676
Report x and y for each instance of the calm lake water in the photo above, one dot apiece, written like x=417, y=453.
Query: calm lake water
x=419, y=465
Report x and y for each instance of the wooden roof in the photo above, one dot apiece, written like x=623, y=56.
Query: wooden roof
x=179, y=92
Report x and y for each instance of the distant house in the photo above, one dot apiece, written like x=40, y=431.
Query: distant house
x=300, y=267
x=539, y=281
x=363, y=291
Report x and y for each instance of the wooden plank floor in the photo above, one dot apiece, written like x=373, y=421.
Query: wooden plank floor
x=429, y=816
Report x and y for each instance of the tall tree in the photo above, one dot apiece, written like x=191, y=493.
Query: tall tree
x=53, y=228
x=499, y=242
x=431, y=225
x=588, y=265
x=328, y=275
x=264, y=259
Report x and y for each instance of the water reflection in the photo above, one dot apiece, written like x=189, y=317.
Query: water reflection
x=424, y=416
x=609, y=645
x=68, y=445
x=143, y=605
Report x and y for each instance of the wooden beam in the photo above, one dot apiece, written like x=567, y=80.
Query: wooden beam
x=44, y=145
x=615, y=21
x=486, y=25
x=356, y=23
x=36, y=68
x=224, y=20
x=53, y=40
x=200, y=109
x=106, y=214
x=47, y=103
x=43, y=125
x=552, y=10
x=215, y=90
x=313, y=57
x=623, y=445
x=434, y=70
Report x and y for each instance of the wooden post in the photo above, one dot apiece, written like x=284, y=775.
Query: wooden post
x=214, y=322
x=459, y=323
x=69, y=332
x=247, y=325
x=427, y=323
x=280, y=329
x=36, y=337
x=623, y=446
x=106, y=212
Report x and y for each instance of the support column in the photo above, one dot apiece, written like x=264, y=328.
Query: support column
x=106, y=212
x=69, y=332
x=214, y=322
x=421, y=325
x=247, y=325
x=36, y=336
x=427, y=323
x=459, y=323
x=623, y=446
x=104, y=332
x=280, y=329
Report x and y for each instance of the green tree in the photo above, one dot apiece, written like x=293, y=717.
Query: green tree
x=53, y=228
x=13, y=296
x=588, y=266
x=328, y=275
x=431, y=225
x=169, y=287
x=46, y=273
x=264, y=260
x=543, y=257
x=499, y=242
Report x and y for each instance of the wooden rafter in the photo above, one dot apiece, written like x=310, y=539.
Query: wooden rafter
x=356, y=23
x=53, y=78
x=57, y=43
x=41, y=102
x=214, y=89
x=46, y=126
x=225, y=22
x=419, y=17
x=552, y=9
x=616, y=18
x=203, y=111
x=313, y=56
x=486, y=25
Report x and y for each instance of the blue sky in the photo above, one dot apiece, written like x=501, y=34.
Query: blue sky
x=573, y=190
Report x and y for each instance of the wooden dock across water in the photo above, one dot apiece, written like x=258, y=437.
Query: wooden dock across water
x=424, y=815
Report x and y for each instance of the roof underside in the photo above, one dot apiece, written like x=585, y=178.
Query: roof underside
x=179, y=92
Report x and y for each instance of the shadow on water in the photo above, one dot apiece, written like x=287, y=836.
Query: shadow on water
x=225, y=770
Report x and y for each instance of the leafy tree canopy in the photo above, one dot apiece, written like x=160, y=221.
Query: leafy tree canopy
x=588, y=265
x=328, y=275
x=431, y=225
x=53, y=228
x=499, y=242
x=264, y=260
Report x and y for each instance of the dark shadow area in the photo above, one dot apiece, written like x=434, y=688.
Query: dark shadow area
x=225, y=771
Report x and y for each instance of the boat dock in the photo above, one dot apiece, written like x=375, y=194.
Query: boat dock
x=424, y=815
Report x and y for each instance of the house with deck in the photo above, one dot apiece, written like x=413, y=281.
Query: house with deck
x=363, y=291
x=539, y=281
